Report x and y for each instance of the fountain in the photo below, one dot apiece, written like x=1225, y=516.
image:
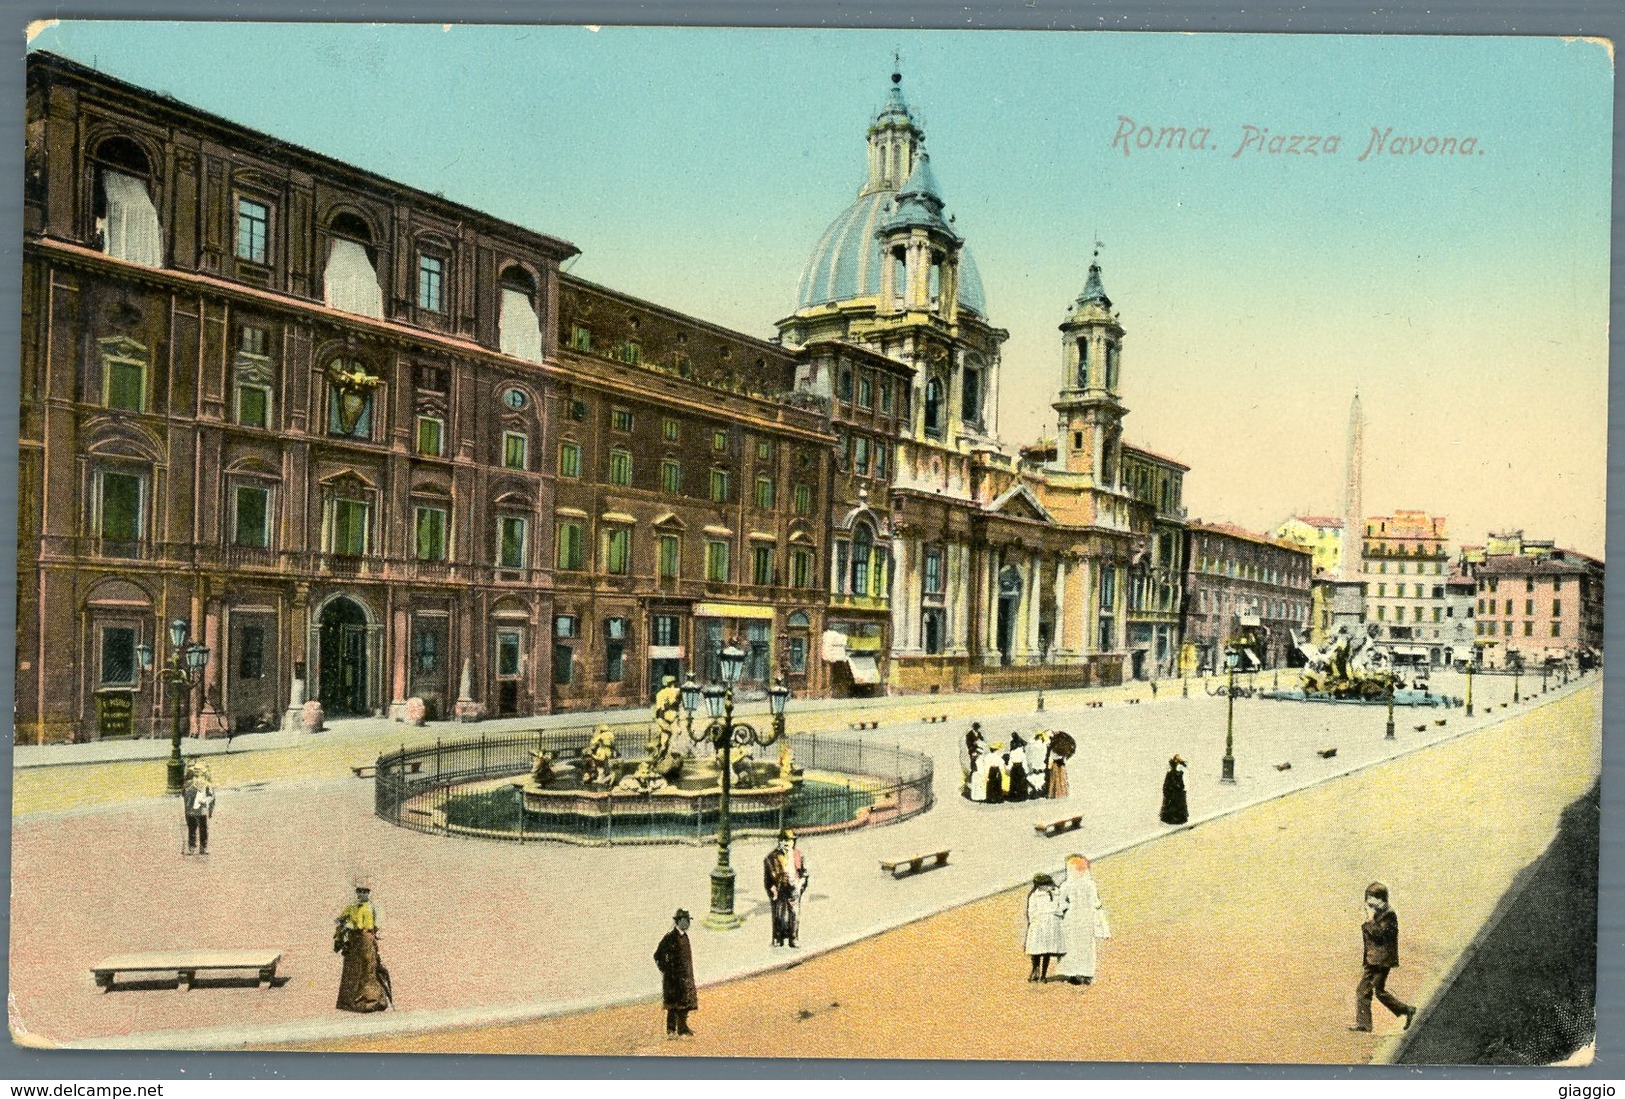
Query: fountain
x=1350, y=668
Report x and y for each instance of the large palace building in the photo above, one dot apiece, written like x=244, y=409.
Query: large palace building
x=369, y=445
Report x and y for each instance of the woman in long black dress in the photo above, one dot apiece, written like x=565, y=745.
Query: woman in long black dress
x=1174, y=809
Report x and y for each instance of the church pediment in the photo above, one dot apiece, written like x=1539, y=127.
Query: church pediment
x=1018, y=502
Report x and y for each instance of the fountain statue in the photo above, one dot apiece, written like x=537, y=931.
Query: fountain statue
x=1351, y=667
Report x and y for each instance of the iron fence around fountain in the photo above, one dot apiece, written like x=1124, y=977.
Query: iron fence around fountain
x=848, y=783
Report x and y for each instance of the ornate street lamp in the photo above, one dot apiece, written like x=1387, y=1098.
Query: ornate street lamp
x=1517, y=674
x=182, y=671
x=776, y=698
x=1389, y=735
x=691, y=701
x=1470, y=683
x=1228, y=774
x=725, y=734
x=1544, y=670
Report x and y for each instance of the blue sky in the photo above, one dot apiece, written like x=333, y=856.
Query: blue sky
x=1465, y=296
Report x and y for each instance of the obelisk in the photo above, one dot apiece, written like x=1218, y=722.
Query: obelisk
x=1346, y=594
x=1353, y=514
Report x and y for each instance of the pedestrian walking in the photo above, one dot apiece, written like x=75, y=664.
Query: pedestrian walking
x=1083, y=920
x=1061, y=748
x=197, y=800
x=1044, y=941
x=1381, y=935
x=1174, y=808
x=364, y=982
x=678, y=993
x=784, y=876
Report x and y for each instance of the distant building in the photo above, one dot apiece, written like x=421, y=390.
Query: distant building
x=1405, y=563
x=1246, y=590
x=1541, y=604
x=1323, y=534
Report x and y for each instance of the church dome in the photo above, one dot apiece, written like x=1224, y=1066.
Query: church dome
x=847, y=262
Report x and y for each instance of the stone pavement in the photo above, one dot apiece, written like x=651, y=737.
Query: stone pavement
x=480, y=932
x=1237, y=941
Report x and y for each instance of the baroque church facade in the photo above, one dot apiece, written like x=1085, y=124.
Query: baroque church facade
x=1056, y=566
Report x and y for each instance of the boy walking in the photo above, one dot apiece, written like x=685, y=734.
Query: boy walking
x=1381, y=934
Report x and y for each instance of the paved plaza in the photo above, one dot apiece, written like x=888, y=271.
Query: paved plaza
x=481, y=933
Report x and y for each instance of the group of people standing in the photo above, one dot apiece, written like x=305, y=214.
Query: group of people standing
x=1063, y=923
x=1027, y=768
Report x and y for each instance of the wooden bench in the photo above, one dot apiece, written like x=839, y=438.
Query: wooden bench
x=368, y=770
x=1287, y=766
x=1422, y=728
x=1056, y=827
x=1326, y=753
x=187, y=964
x=863, y=725
x=897, y=867
x=1440, y=720
x=937, y=720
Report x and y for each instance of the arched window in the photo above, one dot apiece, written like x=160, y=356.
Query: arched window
x=519, y=334
x=933, y=407
x=862, y=550
x=350, y=281
x=971, y=396
x=126, y=219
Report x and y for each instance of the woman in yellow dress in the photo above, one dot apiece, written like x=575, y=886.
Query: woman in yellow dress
x=363, y=983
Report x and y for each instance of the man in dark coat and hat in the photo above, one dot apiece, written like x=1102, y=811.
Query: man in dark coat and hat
x=677, y=990
x=1174, y=809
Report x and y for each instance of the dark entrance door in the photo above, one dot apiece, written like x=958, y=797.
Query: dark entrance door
x=1009, y=602
x=344, y=659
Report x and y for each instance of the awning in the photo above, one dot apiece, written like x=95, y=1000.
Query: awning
x=1251, y=659
x=731, y=610
x=865, y=672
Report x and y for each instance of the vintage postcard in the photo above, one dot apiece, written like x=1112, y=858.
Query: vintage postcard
x=837, y=544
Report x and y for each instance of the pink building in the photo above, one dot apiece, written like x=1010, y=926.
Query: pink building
x=1538, y=607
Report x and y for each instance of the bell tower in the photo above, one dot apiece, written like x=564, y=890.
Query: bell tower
x=1090, y=429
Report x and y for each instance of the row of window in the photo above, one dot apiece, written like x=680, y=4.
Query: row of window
x=1212, y=602
x=1247, y=570
x=1487, y=629
x=864, y=456
x=1488, y=607
x=615, y=556
x=1492, y=583
x=1423, y=568
x=128, y=227
x=859, y=387
x=1399, y=591
x=1417, y=613
x=1421, y=549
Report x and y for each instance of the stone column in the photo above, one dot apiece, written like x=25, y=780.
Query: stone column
x=1034, y=598
x=958, y=631
x=900, y=581
x=400, y=645
x=987, y=627
x=1058, y=643
x=209, y=715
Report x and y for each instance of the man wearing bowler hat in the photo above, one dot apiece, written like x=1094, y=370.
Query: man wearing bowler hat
x=677, y=990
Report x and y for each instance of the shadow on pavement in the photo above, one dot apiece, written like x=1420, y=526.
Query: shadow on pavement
x=1527, y=995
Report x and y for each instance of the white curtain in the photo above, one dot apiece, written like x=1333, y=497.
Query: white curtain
x=520, y=334
x=350, y=283
x=130, y=229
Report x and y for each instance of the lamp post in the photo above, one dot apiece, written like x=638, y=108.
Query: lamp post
x=1517, y=674
x=1228, y=773
x=725, y=734
x=182, y=671
x=1544, y=670
x=691, y=701
x=1470, y=685
x=1389, y=735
